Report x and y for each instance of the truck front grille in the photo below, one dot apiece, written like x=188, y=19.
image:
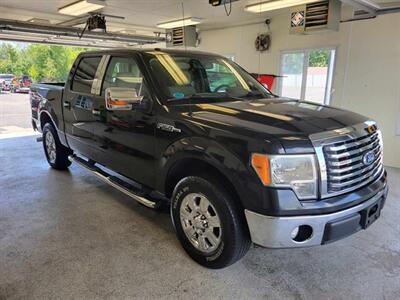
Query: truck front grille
x=348, y=158
x=346, y=166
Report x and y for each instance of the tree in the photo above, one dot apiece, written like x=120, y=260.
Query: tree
x=40, y=62
x=318, y=58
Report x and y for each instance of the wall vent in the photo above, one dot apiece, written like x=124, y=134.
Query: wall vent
x=181, y=36
x=315, y=17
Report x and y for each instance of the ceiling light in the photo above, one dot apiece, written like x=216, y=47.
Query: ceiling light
x=275, y=4
x=81, y=7
x=38, y=21
x=179, y=23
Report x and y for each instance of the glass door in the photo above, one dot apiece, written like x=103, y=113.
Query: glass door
x=307, y=74
x=292, y=70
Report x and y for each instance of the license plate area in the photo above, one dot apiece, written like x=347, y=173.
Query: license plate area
x=370, y=214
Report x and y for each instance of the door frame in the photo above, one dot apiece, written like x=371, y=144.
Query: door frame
x=329, y=78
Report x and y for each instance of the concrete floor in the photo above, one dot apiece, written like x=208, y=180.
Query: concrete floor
x=15, y=113
x=68, y=235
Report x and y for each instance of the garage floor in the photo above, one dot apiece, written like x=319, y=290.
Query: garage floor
x=68, y=235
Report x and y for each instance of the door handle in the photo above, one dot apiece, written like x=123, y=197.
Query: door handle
x=96, y=112
x=67, y=104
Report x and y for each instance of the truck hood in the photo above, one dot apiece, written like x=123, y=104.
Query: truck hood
x=288, y=120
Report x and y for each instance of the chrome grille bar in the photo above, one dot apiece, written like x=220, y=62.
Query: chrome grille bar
x=357, y=179
x=360, y=171
x=356, y=143
x=374, y=146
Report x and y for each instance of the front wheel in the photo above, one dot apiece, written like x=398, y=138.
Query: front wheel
x=209, y=223
x=56, y=153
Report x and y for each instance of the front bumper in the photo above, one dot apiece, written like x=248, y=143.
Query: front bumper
x=276, y=232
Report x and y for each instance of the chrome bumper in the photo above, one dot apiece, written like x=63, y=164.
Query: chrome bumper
x=275, y=232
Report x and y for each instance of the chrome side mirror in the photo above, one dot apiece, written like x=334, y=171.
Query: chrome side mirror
x=118, y=98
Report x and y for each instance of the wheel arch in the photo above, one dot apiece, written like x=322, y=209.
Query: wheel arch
x=202, y=168
x=46, y=118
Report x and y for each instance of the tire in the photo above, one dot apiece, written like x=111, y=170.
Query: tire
x=211, y=246
x=56, y=153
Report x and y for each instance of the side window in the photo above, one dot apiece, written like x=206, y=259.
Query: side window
x=84, y=75
x=123, y=72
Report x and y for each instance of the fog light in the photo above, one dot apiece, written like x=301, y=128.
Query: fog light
x=301, y=233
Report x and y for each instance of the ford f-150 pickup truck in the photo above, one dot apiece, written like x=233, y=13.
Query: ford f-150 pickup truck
x=236, y=164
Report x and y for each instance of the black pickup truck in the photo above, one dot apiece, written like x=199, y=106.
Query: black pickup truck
x=235, y=163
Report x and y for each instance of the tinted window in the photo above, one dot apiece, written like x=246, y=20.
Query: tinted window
x=123, y=72
x=84, y=75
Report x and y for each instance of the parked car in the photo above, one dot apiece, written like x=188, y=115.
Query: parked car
x=6, y=79
x=21, y=84
x=234, y=162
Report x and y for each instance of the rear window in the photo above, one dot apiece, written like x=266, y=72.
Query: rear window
x=84, y=75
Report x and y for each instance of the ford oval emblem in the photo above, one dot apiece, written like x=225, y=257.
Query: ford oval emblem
x=368, y=158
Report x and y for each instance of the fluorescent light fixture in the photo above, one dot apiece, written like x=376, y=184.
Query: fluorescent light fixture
x=38, y=21
x=179, y=23
x=81, y=7
x=275, y=4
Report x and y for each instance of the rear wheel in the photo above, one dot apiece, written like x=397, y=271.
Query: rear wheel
x=209, y=223
x=56, y=153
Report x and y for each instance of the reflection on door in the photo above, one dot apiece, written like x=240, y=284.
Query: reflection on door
x=307, y=74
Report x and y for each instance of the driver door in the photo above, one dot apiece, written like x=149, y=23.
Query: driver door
x=125, y=139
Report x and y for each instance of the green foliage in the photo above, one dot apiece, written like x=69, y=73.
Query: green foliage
x=40, y=62
x=318, y=58
x=293, y=62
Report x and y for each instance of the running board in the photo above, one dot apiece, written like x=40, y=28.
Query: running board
x=115, y=182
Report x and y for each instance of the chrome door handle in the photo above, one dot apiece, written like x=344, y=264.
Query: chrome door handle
x=67, y=104
x=96, y=112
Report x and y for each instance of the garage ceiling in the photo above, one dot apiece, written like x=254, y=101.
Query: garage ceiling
x=141, y=16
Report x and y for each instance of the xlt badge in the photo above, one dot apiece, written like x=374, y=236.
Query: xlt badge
x=167, y=127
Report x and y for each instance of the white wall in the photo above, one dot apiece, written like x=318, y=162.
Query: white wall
x=367, y=70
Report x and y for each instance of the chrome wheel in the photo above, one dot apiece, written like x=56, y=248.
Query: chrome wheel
x=51, y=147
x=200, y=222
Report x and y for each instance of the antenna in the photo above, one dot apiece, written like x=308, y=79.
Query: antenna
x=185, y=47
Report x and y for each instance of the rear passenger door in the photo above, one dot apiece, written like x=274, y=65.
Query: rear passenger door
x=78, y=102
x=125, y=139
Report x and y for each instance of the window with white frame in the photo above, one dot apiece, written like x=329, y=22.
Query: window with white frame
x=307, y=74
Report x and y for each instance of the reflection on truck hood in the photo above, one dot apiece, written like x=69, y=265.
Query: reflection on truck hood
x=276, y=117
x=287, y=120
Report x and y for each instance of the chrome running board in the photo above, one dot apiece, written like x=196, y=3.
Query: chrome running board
x=115, y=182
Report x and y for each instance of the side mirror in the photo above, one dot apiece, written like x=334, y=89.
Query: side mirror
x=122, y=98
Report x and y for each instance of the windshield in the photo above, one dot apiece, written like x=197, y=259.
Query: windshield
x=202, y=78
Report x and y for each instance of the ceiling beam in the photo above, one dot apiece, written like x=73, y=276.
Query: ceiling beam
x=64, y=31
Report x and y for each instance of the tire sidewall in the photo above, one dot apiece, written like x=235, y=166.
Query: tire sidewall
x=222, y=255
x=49, y=129
x=61, y=162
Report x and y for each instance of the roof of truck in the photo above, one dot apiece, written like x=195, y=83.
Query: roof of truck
x=146, y=50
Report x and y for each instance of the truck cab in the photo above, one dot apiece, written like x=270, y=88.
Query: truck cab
x=234, y=163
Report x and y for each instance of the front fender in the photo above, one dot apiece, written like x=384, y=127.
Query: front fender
x=231, y=165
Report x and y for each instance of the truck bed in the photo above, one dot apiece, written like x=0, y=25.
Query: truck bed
x=47, y=96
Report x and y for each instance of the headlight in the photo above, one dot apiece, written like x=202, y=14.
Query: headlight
x=297, y=172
